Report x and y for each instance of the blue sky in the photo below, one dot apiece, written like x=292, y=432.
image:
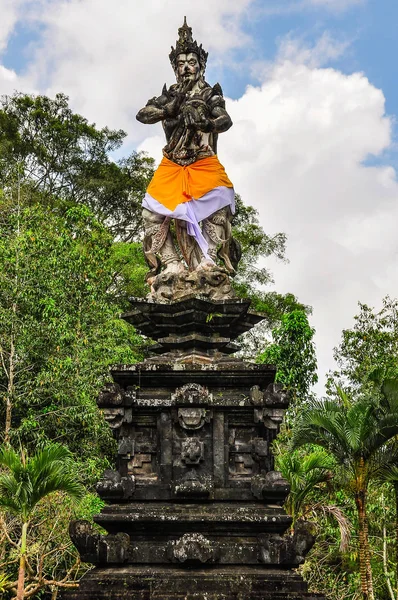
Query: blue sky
x=312, y=88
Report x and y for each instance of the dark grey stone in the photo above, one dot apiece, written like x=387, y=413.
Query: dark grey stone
x=194, y=506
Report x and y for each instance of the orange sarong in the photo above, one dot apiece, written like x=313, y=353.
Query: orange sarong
x=173, y=184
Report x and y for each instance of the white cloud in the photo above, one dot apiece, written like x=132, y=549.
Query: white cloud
x=7, y=75
x=9, y=11
x=12, y=12
x=110, y=57
x=324, y=50
x=307, y=132
x=297, y=50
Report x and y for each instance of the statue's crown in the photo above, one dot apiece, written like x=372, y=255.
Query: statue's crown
x=185, y=44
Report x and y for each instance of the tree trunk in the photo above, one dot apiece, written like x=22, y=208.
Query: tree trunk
x=363, y=543
x=11, y=365
x=10, y=386
x=369, y=575
x=396, y=538
x=385, y=564
x=22, y=564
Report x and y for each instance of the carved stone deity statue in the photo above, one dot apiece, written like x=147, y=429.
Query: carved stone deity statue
x=190, y=185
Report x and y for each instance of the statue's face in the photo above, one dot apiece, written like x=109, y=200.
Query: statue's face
x=188, y=68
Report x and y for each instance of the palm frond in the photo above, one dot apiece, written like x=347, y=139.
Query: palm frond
x=323, y=423
x=9, y=504
x=384, y=465
x=343, y=397
x=28, y=481
x=345, y=525
x=9, y=458
x=389, y=389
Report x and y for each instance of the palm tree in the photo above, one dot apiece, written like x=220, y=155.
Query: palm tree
x=388, y=473
x=305, y=473
x=355, y=434
x=25, y=481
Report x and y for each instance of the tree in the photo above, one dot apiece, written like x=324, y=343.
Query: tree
x=355, y=434
x=27, y=481
x=293, y=353
x=59, y=322
x=306, y=473
x=372, y=342
x=389, y=475
x=251, y=278
x=62, y=156
x=255, y=243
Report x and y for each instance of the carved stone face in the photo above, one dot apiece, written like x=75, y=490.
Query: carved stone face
x=188, y=68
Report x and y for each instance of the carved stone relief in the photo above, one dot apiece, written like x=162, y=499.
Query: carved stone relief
x=289, y=549
x=270, y=487
x=191, y=485
x=113, y=486
x=192, y=451
x=256, y=395
x=192, y=548
x=193, y=418
x=191, y=393
x=97, y=548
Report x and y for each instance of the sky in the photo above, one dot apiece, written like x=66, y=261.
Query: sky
x=312, y=89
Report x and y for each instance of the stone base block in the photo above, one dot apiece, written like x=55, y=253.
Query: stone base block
x=168, y=583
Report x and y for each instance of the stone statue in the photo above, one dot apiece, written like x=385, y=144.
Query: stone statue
x=190, y=185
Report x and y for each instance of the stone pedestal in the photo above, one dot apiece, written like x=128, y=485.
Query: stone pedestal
x=194, y=508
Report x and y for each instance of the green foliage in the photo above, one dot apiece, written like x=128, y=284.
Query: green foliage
x=335, y=572
x=30, y=521
x=62, y=156
x=353, y=432
x=252, y=278
x=372, y=343
x=356, y=434
x=59, y=323
x=304, y=472
x=27, y=480
x=129, y=270
x=293, y=353
x=255, y=243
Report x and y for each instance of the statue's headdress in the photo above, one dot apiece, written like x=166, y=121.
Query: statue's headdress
x=185, y=44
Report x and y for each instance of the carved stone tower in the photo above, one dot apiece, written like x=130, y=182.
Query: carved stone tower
x=194, y=509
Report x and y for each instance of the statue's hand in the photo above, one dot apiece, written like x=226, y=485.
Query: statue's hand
x=171, y=108
x=189, y=119
x=205, y=125
x=196, y=120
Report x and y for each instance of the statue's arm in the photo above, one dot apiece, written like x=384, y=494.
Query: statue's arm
x=151, y=114
x=220, y=119
x=158, y=109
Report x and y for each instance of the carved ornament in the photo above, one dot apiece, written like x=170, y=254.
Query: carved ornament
x=192, y=418
x=192, y=451
x=270, y=487
x=96, y=548
x=191, y=393
x=192, y=548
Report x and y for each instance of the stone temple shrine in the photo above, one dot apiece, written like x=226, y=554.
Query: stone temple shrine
x=194, y=508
